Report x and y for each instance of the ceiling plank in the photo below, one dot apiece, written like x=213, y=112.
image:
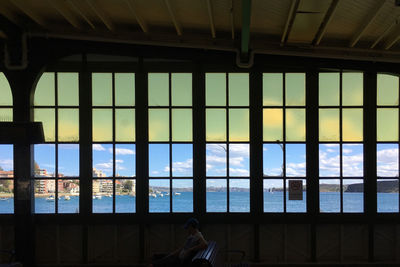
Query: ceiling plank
x=80, y=12
x=327, y=19
x=232, y=21
x=370, y=17
x=138, y=18
x=246, y=19
x=21, y=5
x=389, y=29
x=392, y=39
x=174, y=20
x=65, y=12
x=210, y=16
x=10, y=16
x=289, y=21
x=102, y=16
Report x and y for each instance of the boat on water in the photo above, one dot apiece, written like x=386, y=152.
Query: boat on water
x=67, y=198
x=177, y=194
x=153, y=195
x=109, y=195
x=96, y=197
x=50, y=198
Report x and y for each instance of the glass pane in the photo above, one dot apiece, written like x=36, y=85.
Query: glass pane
x=215, y=160
x=273, y=160
x=6, y=161
x=181, y=125
x=353, y=195
x=295, y=89
x=45, y=89
x=68, y=88
x=388, y=124
x=158, y=125
x=238, y=89
x=68, y=160
x=296, y=205
x=272, y=124
x=388, y=89
x=102, y=196
x=158, y=89
x=387, y=160
x=352, y=89
x=159, y=195
x=216, y=195
x=329, y=125
x=68, y=196
x=272, y=89
x=215, y=89
x=5, y=91
x=44, y=160
x=329, y=86
x=215, y=124
x=6, y=114
x=239, y=195
x=68, y=125
x=125, y=160
x=124, y=89
x=182, y=195
x=124, y=125
x=295, y=125
x=181, y=89
x=273, y=195
x=102, y=160
x=6, y=196
x=353, y=160
x=388, y=195
x=352, y=124
x=182, y=160
x=159, y=160
x=102, y=89
x=125, y=196
x=47, y=117
x=296, y=160
x=329, y=195
x=102, y=125
x=239, y=125
x=45, y=196
x=329, y=160
x=239, y=160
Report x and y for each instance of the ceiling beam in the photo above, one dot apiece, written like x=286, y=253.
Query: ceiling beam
x=246, y=19
x=21, y=5
x=210, y=16
x=178, y=27
x=65, y=12
x=327, y=19
x=78, y=10
x=102, y=16
x=289, y=21
x=392, y=39
x=232, y=21
x=10, y=16
x=389, y=29
x=138, y=18
x=368, y=20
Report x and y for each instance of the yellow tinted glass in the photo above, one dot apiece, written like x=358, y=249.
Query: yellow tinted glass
x=158, y=125
x=44, y=93
x=158, y=89
x=124, y=89
x=102, y=125
x=216, y=125
x=329, y=86
x=352, y=89
x=239, y=124
x=295, y=89
x=181, y=89
x=68, y=125
x=295, y=125
x=238, y=89
x=102, y=89
x=329, y=124
x=215, y=89
x=47, y=117
x=388, y=89
x=68, y=88
x=272, y=124
x=125, y=125
x=181, y=125
x=352, y=124
x=387, y=124
x=5, y=91
x=272, y=89
x=6, y=114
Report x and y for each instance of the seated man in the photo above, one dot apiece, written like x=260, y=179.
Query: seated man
x=183, y=256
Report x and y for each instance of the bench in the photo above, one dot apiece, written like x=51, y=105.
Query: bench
x=207, y=257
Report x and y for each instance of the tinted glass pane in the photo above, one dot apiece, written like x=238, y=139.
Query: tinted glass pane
x=329, y=195
x=102, y=196
x=124, y=89
x=6, y=196
x=102, y=125
x=387, y=160
x=352, y=123
x=47, y=117
x=239, y=195
x=125, y=125
x=273, y=160
x=125, y=160
x=216, y=160
x=182, y=160
x=6, y=161
x=45, y=89
x=295, y=160
x=388, y=89
x=159, y=195
x=45, y=196
x=329, y=85
x=159, y=160
x=272, y=89
x=239, y=125
x=329, y=124
x=238, y=89
x=6, y=114
x=45, y=160
x=353, y=160
x=68, y=125
x=158, y=89
x=388, y=195
x=216, y=197
x=215, y=124
x=387, y=124
x=158, y=125
x=125, y=196
x=215, y=89
x=352, y=89
x=272, y=124
x=102, y=89
x=182, y=125
x=68, y=160
x=295, y=125
x=181, y=84
x=329, y=160
x=68, y=196
x=273, y=195
x=296, y=205
x=102, y=160
x=295, y=89
x=5, y=91
x=239, y=160
x=182, y=195
x=353, y=195
x=68, y=89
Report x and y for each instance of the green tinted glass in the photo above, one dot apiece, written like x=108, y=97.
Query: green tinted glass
x=181, y=125
x=239, y=124
x=295, y=89
x=181, y=84
x=215, y=124
x=68, y=125
x=102, y=125
x=6, y=114
x=125, y=125
x=272, y=89
x=272, y=124
x=352, y=124
x=329, y=86
x=68, y=88
x=124, y=89
x=215, y=89
x=47, y=117
x=102, y=89
x=388, y=89
x=329, y=125
x=5, y=91
x=158, y=89
x=352, y=89
x=238, y=89
x=44, y=93
x=295, y=125
x=387, y=124
x=158, y=125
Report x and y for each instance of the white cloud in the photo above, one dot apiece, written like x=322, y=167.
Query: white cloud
x=183, y=166
x=98, y=147
x=6, y=164
x=122, y=151
x=347, y=151
x=238, y=172
x=296, y=169
x=387, y=163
